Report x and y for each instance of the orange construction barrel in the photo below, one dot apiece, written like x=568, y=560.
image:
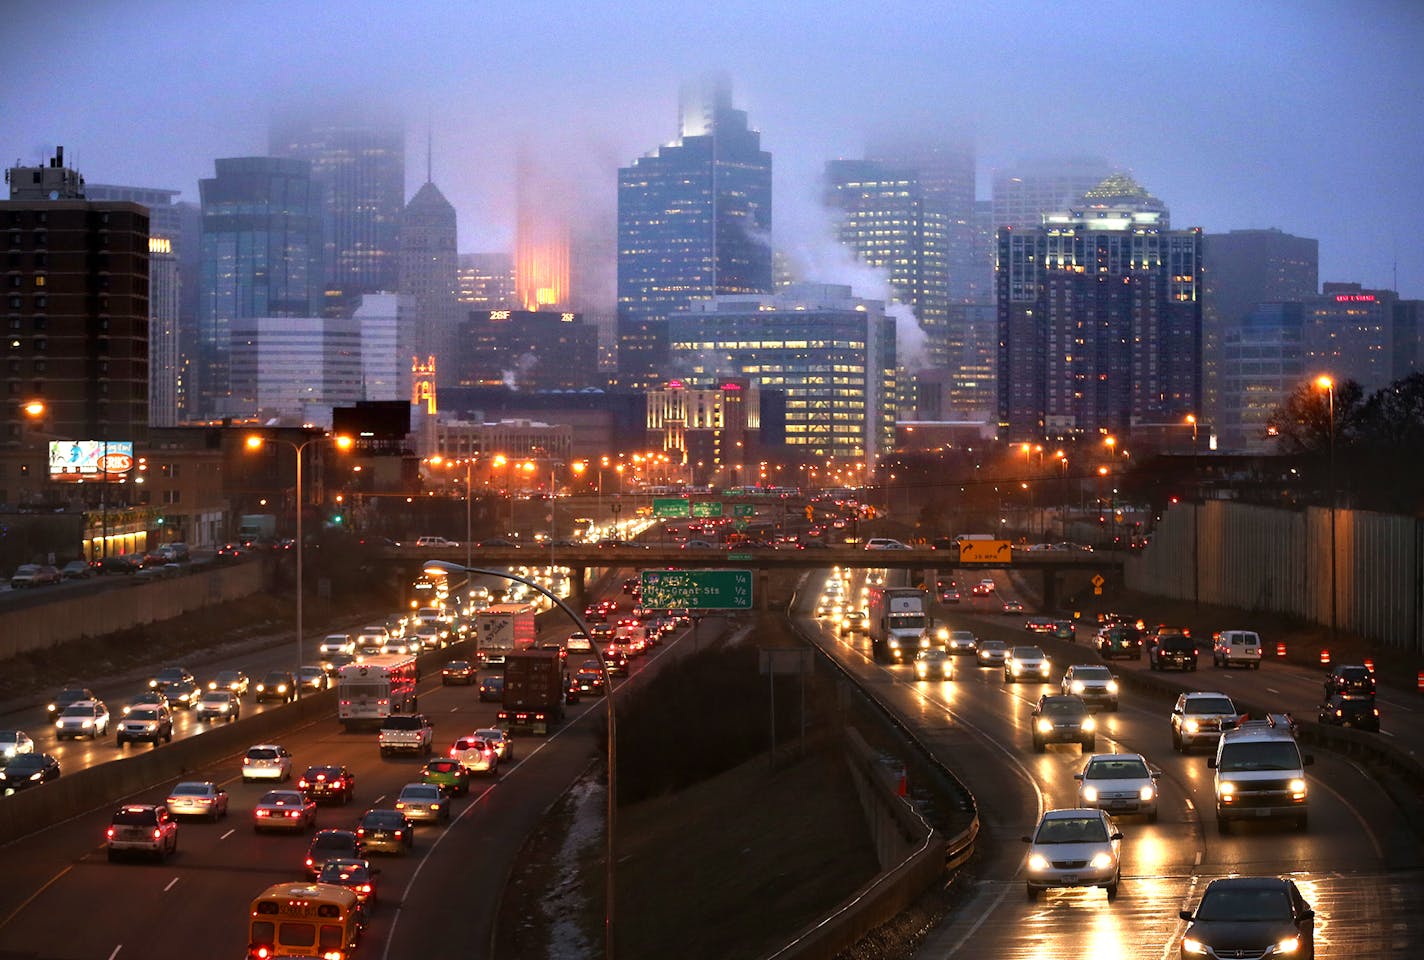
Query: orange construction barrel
x=1281, y=649
x=1325, y=658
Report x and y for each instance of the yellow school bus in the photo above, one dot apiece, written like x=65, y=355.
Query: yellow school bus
x=304, y=920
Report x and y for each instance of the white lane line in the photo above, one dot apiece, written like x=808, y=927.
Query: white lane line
x=378, y=799
x=228, y=834
x=1196, y=862
x=1386, y=733
x=1273, y=690
x=171, y=884
x=116, y=951
x=34, y=896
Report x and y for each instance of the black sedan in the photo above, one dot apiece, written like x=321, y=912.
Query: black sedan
x=457, y=671
x=27, y=770
x=1351, y=679
x=1250, y=917
x=65, y=697
x=1342, y=710
x=386, y=831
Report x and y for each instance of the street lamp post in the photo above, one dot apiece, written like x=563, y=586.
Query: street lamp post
x=1196, y=514
x=610, y=858
x=256, y=442
x=1328, y=385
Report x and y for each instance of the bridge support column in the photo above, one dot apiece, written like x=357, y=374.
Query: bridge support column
x=578, y=587
x=1050, y=591
x=763, y=589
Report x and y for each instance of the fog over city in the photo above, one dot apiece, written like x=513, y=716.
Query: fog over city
x=1297, y=115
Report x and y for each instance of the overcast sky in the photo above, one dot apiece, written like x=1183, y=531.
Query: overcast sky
x=1308, y=116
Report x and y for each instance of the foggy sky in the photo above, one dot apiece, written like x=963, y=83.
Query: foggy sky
x=1308, y=116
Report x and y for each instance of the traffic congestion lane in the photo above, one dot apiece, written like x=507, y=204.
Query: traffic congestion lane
x=1347, y=847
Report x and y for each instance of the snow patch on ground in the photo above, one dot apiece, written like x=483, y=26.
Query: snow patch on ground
x=567, y=901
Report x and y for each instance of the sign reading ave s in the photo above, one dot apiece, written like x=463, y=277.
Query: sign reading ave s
x=697, y=589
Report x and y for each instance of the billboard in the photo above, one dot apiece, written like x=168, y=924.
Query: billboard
x=75, y=460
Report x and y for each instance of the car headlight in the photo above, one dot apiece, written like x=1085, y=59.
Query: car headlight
x=59, y=724
x=921, y=669
x=51, y=708
x=1192, y=726
x=1037, y=861
x=1226, y=789
x=1045, y=725
x=1192, y=945
x=942, y=633
x=1112, y=686
x=1297, y=788
x=261, y=687
x=37, y=775
x=1015, y=668
x=212, y=684
x=281, y=688
x=86, y=724
x=1102, y=861
x=1146, y=794
x=1088, y=725
x=1076, y=686
x=1090, y=794
x=1288, y=945
x=1044, y=667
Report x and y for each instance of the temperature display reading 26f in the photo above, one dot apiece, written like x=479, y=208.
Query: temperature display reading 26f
x=697, y=589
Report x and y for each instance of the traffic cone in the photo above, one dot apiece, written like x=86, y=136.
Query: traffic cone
x=902, y=789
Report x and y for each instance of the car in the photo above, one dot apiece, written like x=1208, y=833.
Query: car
x=600, y=632
x=698, y=545
x=386, y=831
x=934, y=663
x=27, y=770
x=76, y=570
x=34, y=575
x=1231, y=648
x=502, y=742
x=884, y=543
x=492, y=688
x=1201, y=716
x=589, y=677
x=331, y=844
x=356, y=875
x=1026, y=663
x=142, y=828
x=148, y=698
x=278, y=685
x=83, y=718
x=1350, y=679
x=1057, y=718
x=1120, y=641
x=434, y=542
x=266, y=761
x=312, y=679
x=233, y=551
x=1249, y=917
x=15, y=742
x=958, y=641
x=1344, y=710
x=1073, y=848
x=476, y=754
x=991, y=653
x=334, y=643
x=1260, y=775
x=233, y=680
x=1065, y=630
x=153, y=723
x=168, y=675
x=854, y=621
x=197, y=798
x=1173, y=651
x=1093, y=682
x=218, y=705
x=329, y=781
x=458, y=671
x=423, y=802
x=950, y=595
x=1119, y=783
x=64, y=698
x=448, y=774
x=1039, y=624
x=283, y=810
x=1012, y=607
x=579, y=642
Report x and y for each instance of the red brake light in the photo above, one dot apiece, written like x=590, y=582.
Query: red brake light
x=365, y=888
x=109, y=833
x=157, y=834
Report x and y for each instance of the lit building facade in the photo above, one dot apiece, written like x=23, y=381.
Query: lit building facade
x=385, y=367
x=1099, y=312
x=429, y=277
x=359, y=168
x=1262, y=362
x=832, y=354
x=946, y=173
x=890, y=223
x=1350, y=334
x=706, y=429
x=295, y=368
x=694, y=221
x=164, y=369
x=261, y=257
x=512, y=438
x=528, y=350
x=541, y=242
x=485, y=281
x=971, y=361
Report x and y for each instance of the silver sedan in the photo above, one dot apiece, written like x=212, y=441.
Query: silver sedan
x=1119, y=783
x=284, y=810
x=197, y=798
x=1074, y=848
x=423, y=802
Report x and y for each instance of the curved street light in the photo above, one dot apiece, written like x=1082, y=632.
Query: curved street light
x=447, y=567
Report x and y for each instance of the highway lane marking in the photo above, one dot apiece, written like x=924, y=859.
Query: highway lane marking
x=171, y=884
x=1196, y=861
x=228, y=834
x=31, y=898
x=1374, y=840
x=1273, y=690
x=116, y=951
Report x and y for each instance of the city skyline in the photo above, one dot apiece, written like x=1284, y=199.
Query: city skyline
x=1285, y=115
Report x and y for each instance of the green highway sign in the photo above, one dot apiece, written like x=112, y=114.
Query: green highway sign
x=741, y=525
x=707, y=508
x=670, y=507
x=743, y=509
x=697, y=589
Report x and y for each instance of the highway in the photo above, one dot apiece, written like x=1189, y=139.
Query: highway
x=1357, y=864
x=197, y=901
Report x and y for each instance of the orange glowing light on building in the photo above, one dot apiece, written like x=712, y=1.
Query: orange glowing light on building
x=541, y=241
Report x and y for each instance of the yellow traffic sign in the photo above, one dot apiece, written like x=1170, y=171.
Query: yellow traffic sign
x=986, y=551
x=1098, y=581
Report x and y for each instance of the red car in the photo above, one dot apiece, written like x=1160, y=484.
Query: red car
x=328, y=782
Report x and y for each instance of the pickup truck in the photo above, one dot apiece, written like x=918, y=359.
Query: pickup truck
x=406, y=733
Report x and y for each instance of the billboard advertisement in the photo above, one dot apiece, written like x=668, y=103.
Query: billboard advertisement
x=75, y=460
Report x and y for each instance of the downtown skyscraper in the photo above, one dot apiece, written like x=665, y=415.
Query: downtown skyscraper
x=694, y=222
x=429, y=278
x=359, y=166
x=1099, y=318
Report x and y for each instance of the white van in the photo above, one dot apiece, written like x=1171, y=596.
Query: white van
x=337, y=643
x=1231, y=648
x=1260, y=774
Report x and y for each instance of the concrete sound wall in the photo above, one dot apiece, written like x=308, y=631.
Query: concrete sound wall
x=129, y=603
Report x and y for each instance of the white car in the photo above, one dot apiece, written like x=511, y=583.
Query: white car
x=884, y=543
x=1119, y=783
x=992, y=653
x=435, y=542
x=218, y=705
x=1073, y=848
x=934, y=664
x=197, y=798
x=1026, y=663
x=15, y=742
x=497, y=738
x=958, y=641
x=476, y=754
x=84, y=718
x=1094, y=683
x=266, y=761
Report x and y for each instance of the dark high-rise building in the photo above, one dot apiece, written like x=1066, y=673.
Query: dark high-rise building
x=429, y=276
x=1408, y=338
x=694, y=221
x=261, y=257
x=486, y=281
x=1099, y=318
x=527, y=350
x=1244, y=268
x=946, y=175
x=360, y=169
x=972, y=353
x=1262, y=362
x=1350, y=334
x=77, y=299
x=890, y=221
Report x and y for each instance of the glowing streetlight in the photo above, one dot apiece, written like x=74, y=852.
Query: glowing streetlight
x=1327, y=385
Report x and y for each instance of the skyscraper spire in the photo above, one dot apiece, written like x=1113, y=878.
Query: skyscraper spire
x=429, y=151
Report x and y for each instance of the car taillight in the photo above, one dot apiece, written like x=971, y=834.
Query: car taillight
x=109, y=833
x=261, y=813
x=398, y=834
x=360, y=831
x=309, y=861
x=453, y=752
x=157, y=834
x=365, y=888
x=294, y=813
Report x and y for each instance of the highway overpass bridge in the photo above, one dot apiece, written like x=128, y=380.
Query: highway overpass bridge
x=1051, y=565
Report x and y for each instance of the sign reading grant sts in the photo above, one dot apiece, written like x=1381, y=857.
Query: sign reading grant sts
x=697, y=589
